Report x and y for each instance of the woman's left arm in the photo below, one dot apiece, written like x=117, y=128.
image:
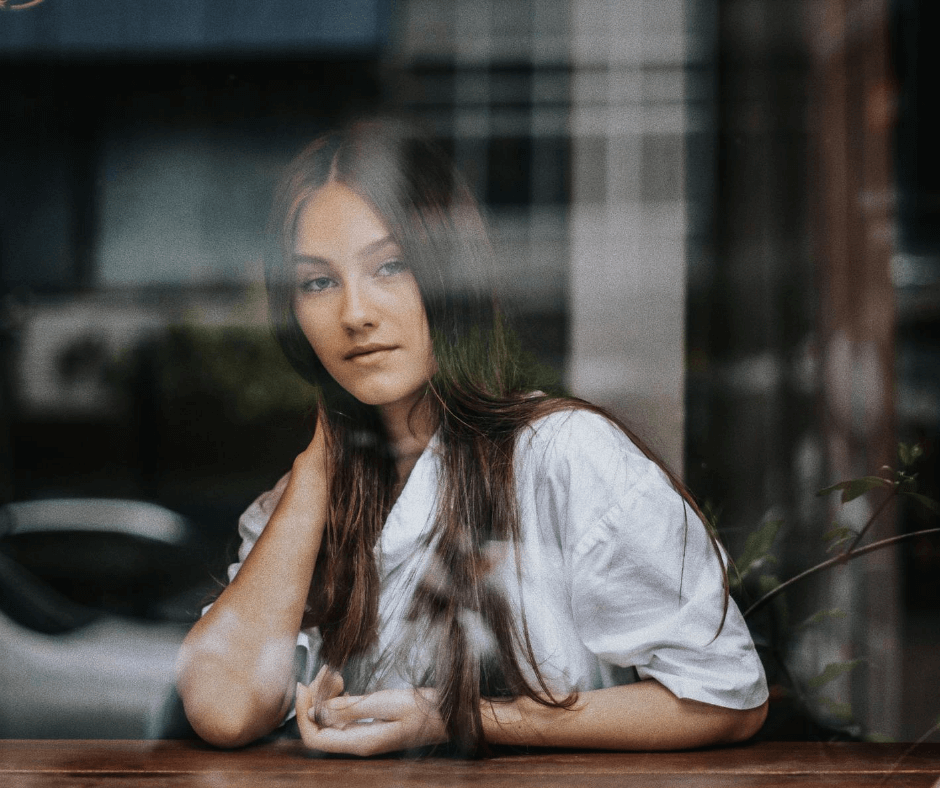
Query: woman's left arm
x=640, y=716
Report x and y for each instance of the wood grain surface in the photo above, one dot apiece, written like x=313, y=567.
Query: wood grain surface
x=28, y=763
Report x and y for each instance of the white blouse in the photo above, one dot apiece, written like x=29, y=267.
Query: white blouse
x=615, y=576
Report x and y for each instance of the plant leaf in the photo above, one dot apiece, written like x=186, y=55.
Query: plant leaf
x=841, y=711
x=757, y=548
x=838, y=535
x=904, y=453
x=820, y=616
x=831, y=672
x=766, y=584
x=909, y=454
x=879, y=738
x=930, y=503
x=853, y=488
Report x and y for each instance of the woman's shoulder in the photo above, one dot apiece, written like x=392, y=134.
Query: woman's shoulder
x=575, y=445
x=586, y=481
x=570, y=428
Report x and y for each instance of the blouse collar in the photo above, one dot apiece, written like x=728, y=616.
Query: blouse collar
x=412, y=515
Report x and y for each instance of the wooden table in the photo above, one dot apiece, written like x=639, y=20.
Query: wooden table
x=28, y=763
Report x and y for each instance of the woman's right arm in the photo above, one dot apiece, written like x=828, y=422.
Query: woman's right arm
x=236, y=668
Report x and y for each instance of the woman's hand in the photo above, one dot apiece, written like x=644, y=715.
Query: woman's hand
x=385, y=721
x=328, y=684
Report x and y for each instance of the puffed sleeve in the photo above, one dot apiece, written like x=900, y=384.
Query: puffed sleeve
x=250, y=526
x=646, y=584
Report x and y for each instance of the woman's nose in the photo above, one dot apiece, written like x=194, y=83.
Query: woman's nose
x=358, y=308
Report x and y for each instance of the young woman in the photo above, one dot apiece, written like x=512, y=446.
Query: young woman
x=456, y=557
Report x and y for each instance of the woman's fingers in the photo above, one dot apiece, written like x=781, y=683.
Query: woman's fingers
x=332, y=684
x=364, y=740
x=318, y=678
x=384, y=705
x=326, y=685
x=344, y=710
x=334, y=736
x=384, y=721
x=302, y=706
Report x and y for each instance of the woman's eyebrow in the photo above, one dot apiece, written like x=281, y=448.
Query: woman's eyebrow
x=377, y=246
x=308, y=259
x=369, y=249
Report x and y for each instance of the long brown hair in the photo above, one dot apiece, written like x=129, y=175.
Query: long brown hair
x=482, y=395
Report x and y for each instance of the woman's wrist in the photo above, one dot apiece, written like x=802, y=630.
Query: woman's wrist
x=305, y=499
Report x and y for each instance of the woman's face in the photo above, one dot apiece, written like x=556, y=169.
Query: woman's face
x=357, y=301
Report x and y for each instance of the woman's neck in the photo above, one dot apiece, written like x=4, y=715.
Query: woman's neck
x=409, y=427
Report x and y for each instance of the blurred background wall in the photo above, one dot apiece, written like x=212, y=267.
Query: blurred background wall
x=717, y=218
x=812, y=311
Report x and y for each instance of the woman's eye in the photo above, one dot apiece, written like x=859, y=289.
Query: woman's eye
x=391, y=268
x=316, y=284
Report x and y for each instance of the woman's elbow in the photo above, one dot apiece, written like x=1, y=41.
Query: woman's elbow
x=221, y=731
x=223, y=714
x=225, y=733
x=221, y=721
x=746, y=723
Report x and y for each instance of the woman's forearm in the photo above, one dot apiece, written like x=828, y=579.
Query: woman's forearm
x=640, y=716
x=235, y=672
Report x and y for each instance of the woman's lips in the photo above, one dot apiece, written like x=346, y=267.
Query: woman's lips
x=369, y=352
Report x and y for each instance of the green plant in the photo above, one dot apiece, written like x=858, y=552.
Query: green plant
x=757, y=561
x=898, y=482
